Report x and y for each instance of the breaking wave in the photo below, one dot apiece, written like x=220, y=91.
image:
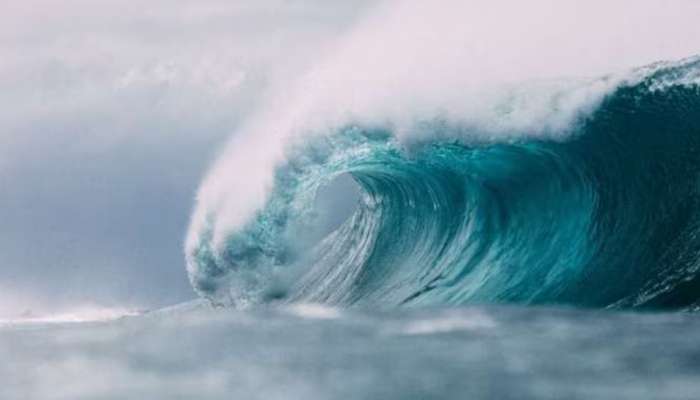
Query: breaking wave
x=604, y=216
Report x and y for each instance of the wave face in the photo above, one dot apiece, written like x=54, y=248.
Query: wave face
x=607, y=217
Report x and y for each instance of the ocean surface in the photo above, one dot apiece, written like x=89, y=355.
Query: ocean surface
x=315, y=352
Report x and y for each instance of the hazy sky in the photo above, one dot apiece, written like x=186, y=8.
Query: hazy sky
x=110, y=114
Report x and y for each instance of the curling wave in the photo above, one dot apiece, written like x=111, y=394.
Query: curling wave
x=607, y=217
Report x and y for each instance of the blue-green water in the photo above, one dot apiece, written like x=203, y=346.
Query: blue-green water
x=604, y=216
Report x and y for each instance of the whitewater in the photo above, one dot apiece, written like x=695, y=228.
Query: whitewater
x=460, y=200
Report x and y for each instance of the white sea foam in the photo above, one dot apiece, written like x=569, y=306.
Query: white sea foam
x=73, y=315
x=445, y=324
x=314, y=311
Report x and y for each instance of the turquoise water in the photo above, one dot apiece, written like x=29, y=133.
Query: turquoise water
x=606, y=216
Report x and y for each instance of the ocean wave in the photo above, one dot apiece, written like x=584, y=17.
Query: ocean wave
x=604, y=216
